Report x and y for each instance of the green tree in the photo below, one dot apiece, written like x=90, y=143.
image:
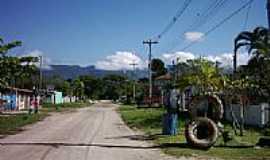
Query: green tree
x=202, y=75
x=13, y=69
x=78, y=88
x=93, y=86
x=257, y=43
x=158, y=67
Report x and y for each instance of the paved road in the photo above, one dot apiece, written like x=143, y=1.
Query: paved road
x=93, y=133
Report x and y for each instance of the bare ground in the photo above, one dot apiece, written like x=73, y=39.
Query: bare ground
x=92, y=133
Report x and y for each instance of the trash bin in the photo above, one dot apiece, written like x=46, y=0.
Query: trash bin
x=170, y=123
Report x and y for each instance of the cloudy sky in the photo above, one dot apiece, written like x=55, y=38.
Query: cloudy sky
x=109, y=33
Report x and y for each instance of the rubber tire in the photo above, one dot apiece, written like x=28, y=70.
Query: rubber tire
x=206, y=142
x=219, y=107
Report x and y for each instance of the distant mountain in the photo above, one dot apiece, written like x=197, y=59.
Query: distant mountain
x=73, y=71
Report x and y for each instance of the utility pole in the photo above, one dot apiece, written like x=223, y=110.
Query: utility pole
x=150, y=43
x=40, y=73
x=134, y=79
x=268, y=12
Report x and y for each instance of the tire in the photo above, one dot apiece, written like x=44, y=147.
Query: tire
x=201, y=133
x=214, y=103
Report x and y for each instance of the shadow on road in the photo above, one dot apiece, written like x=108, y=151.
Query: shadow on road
x=186, y=145
x=56, y=145
x=137, y=137
x=164, y=145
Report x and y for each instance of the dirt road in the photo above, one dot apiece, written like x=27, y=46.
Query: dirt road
x=93, y=133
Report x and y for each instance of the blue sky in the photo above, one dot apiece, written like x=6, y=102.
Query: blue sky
x=88, y=32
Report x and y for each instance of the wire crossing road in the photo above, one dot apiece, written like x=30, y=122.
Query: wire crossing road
x=93, y=133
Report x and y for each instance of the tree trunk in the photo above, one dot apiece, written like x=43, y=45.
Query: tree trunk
x=242, y=121
x=234, y=120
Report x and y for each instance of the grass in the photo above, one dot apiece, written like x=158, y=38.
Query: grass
x=11, y=124
x=48, y=107
x=149, y=121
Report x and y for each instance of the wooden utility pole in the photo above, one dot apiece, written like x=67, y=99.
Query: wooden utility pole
x=134, y=79
x=149, y=43
x=268, y=12
x=40, y=73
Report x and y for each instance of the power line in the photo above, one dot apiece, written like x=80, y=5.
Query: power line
x=207, y=14
x=220, y=23
x=178, y=14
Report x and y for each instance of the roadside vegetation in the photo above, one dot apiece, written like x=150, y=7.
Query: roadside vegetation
x=13, y=123
x=150, y=121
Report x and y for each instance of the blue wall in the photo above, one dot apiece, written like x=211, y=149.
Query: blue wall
x=11, y=101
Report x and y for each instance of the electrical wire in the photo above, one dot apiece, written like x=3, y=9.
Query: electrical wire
x=220, y=23
x=178, y=14
x=209, y=12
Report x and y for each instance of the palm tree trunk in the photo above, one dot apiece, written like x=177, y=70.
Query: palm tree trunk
x=234, y=120
x=242, y=121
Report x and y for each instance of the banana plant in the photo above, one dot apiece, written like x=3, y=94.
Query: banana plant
x=203, y=75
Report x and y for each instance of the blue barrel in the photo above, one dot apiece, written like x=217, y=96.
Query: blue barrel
x=170, y=123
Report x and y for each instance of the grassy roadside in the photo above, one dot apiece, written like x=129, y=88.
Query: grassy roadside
x=149, y=121
x=11, y=124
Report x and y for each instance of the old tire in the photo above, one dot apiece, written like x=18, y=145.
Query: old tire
x=201, y=133
x=214, y=108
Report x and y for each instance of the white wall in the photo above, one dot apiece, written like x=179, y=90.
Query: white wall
x=255, y=115
x=69, y=99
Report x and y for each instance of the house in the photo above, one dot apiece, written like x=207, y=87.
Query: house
x=14, y=99
x=162, y=83
x=54, y=97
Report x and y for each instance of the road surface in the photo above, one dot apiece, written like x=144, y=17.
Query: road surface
x=92, y=133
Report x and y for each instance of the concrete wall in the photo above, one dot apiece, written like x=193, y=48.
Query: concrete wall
x=23, y=101
x=69, y=99
x=58, y=97
x=255, y=115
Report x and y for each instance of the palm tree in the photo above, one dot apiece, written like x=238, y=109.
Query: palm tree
x=4, y=48
x=257, y=43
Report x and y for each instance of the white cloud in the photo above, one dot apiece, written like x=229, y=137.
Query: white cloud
x=181, y=56
x=45, y=60
x=194, y=36
x=120, y=61
x=226, y=59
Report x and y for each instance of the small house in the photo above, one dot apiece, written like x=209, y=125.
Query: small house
x=15, y=99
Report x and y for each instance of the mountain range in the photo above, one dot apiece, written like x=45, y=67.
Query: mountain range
x=73, y=71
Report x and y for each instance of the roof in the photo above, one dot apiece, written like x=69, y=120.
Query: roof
x=166, y=76
x=20, y=90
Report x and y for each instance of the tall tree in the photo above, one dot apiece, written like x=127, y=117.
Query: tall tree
x=14, y=68
x=203, y=75
x=158, y=67
x=78, y=88
x=257, y=43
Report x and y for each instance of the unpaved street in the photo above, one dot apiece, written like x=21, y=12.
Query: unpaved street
x=93, y=133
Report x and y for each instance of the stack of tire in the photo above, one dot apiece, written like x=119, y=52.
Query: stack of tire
x=202, y=130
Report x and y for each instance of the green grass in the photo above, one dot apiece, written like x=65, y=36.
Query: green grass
x=149, y=121
x=48, y=107
x=11, y=124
